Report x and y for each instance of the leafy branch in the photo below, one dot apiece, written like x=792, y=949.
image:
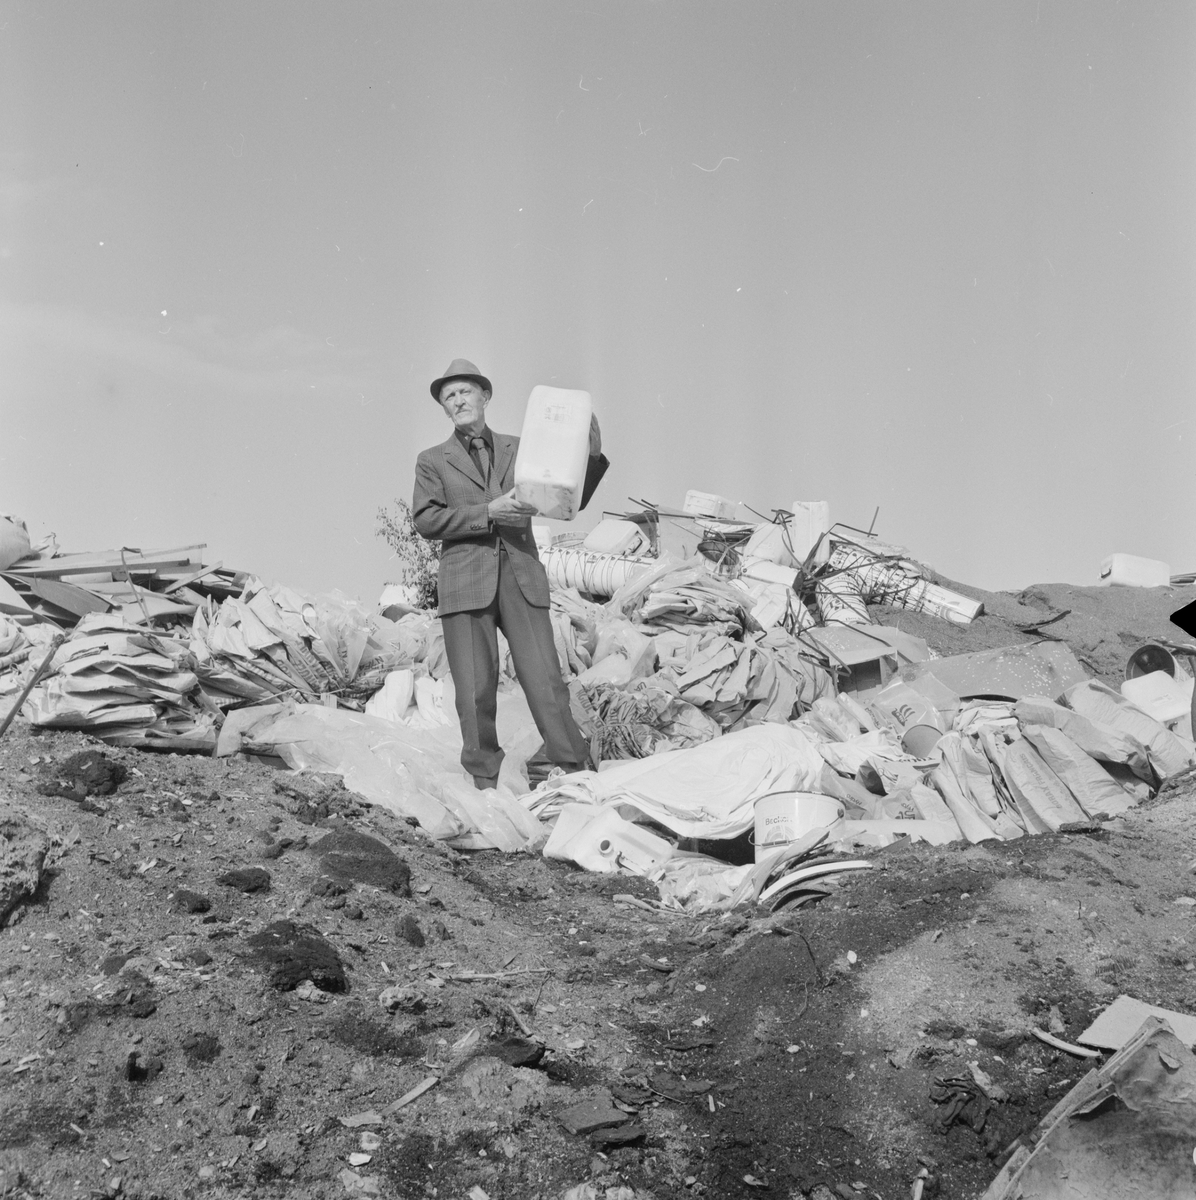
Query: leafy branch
x=418, y=557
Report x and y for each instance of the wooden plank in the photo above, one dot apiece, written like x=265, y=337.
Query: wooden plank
x=109, y=560
x=174, y=587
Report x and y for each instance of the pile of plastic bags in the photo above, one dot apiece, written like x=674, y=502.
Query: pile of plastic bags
x=126, y=685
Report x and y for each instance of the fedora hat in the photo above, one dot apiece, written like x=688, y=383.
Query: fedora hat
x=460, y=368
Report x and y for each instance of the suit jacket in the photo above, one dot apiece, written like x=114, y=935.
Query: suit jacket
x=450, y=505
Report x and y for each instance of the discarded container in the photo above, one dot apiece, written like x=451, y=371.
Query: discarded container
x=770, y=572
x=901, y=707
x=1128, y=570
x=772, y=543
x=554, y=448
x=920, y=740
x=613, y=536
x=397, y=599
x=598, y=839
x=707, y=504
x=783, y=817
x=1160, y=696
x=811, y=519
x=1148, y=658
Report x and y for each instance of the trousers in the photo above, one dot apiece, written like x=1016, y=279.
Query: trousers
x=471, y=645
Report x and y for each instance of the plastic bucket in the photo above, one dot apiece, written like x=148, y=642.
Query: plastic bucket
x=920, y=740
x=1149, y=658
x=783, y=817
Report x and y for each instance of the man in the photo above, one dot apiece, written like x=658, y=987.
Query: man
x=491, y=577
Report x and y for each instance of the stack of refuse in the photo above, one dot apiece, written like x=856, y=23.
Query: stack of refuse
x=133, y=685
x=1032, y=746
x=646, y=717
x=128, y=686
x=271, y=642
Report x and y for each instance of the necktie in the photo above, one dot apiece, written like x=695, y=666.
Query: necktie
x=482, y=454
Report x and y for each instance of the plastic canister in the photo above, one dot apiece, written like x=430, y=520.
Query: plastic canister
x=811, y=519
x=783, y=817
x=1165, y=697
x=1128, y=570
x=554, y=449
x=614, y=536
x=1149, y=658
x=707, y=504
x=770, y=572
x=598, y=839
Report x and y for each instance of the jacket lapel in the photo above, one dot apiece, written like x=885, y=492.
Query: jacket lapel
x=456, y=455
x=504, y=452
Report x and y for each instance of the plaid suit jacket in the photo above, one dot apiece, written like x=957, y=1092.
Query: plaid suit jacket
x=450, y=505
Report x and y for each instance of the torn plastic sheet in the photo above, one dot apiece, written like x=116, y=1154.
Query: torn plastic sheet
x=414, y=772
x=706, y=791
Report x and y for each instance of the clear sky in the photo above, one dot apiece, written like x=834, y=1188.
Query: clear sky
x=936, y=257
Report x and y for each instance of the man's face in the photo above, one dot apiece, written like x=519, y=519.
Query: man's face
x=465, y=404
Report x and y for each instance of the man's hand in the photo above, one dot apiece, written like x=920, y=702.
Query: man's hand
x=595, y=437
x=506, y=510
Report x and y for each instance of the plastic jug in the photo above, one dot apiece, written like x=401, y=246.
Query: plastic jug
x=811, y=519
x=707, y=504
x=769, y=572
x=554, y=449
x=613, y=536
x=1128, y=570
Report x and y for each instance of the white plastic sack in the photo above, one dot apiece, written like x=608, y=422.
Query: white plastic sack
x=1099, y=741
x=14, y=540
x=975, y=825
x=392, y=700
x=1168, y=753
x=1097, y=792
x=1038, y=791
x=413, y=772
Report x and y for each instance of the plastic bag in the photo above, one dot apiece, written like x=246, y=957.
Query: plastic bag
x=1042, y=798
x=1168, y=753
x=1097, y=792
x=14, y=540
x=392, y=700
x=413, y=772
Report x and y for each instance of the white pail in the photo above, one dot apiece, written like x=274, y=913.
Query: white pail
x=783, y=817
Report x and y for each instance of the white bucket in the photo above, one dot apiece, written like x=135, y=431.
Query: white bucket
x=783, y=817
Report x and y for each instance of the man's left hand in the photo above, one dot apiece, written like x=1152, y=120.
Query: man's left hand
x=595, y=437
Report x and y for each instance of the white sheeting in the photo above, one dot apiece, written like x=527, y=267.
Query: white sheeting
x=706, y=791
x=413, y=771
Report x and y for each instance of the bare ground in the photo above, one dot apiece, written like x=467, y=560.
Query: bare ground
x=145, y=1049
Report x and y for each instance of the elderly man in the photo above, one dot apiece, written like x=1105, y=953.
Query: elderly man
x=491, y=577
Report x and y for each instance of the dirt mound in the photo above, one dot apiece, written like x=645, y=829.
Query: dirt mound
x=1103, y=626
x=350, y=857
x=145, y=1050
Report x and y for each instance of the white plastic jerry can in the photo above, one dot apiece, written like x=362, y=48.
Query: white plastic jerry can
x=1129, y=570
x=811, y=519
x=554, y=449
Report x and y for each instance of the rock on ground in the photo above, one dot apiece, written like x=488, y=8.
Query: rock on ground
x=23, y=850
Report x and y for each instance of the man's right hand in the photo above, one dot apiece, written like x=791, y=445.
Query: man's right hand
x=507, y=510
